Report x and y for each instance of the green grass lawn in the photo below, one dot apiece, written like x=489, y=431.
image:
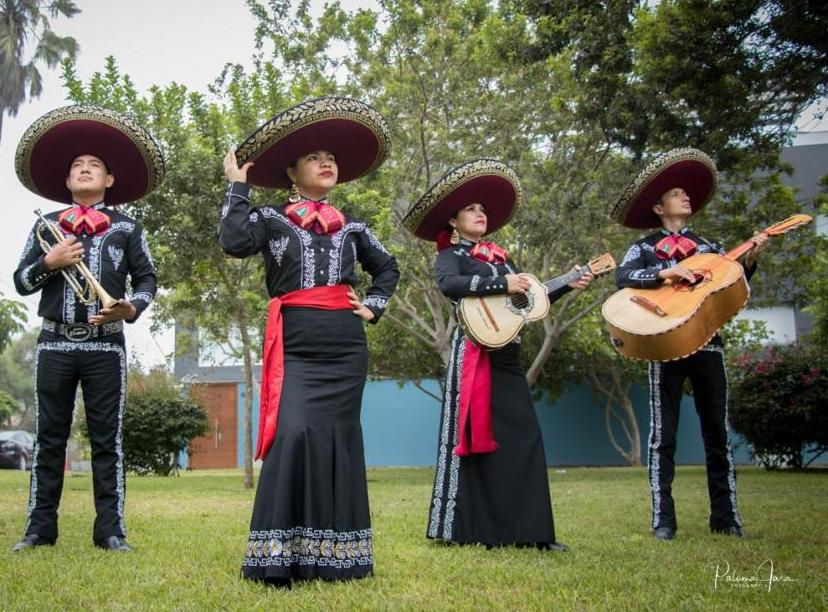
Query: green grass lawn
x=190, y=533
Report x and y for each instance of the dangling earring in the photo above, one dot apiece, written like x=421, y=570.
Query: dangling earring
x=455, y=236
x=293, y=194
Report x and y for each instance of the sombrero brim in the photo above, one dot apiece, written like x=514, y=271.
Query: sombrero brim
x=353, y=131
x=688, y=168
x=48, y=147
x=486, y=181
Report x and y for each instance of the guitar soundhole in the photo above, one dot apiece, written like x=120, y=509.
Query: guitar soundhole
x=520, y=303
x=699, y=276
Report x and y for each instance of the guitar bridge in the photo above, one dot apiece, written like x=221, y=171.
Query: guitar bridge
x=649, y=305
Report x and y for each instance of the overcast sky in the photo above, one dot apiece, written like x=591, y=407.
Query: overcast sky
x=155, y=42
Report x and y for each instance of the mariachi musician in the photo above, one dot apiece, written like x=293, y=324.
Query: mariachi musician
x=88, y=159
x=311, y=517
x=490, y=485
x=665, y=195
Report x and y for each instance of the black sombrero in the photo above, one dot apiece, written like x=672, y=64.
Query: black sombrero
x=688, y=168
x=354, y=131
x=487, y=181
x=48, y=147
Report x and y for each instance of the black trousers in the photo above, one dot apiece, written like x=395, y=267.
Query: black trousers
x=706, y=371
x=100, y=368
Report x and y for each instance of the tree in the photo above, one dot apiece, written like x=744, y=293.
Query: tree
x=158, y=423
x=24, y=23
x=16, y=367
x=655, y=75
x=587, y=356
x=12, y=317
x=817, y=279
x=458, y=80
x=8, y=406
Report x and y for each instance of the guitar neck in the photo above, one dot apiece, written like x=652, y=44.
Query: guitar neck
x=564, y=279
x=734, y=254
x=792, y=222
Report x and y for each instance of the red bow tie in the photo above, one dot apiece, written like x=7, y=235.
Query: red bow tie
x=675, y=246
x=318, y=216
x=82, y=219
x=489, y=252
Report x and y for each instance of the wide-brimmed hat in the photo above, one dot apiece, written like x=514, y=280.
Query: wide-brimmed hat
x=486, y=181
x=688, y=168
x=51, y=143
x=353, y=131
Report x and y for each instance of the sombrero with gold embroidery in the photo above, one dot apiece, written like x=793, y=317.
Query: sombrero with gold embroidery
x=688, y=168
x=353, y=131
x=51, y=143
x=485, y=181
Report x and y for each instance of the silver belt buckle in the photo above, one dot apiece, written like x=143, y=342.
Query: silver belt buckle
x=78, y=332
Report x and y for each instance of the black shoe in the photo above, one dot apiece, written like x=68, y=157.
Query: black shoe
x=116, y=543
x=733, y=530
x=664, y=534
x=32, y=540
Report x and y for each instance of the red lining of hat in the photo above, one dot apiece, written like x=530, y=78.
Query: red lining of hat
x=494, y=192
x=693, y=176
x=355, y=146
x=55, y=150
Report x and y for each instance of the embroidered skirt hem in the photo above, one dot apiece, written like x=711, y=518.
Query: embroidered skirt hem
x=311, y=517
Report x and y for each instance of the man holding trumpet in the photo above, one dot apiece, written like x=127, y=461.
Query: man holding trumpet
x=89, y=159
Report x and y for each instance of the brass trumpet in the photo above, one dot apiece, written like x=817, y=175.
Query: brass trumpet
x=88, y=292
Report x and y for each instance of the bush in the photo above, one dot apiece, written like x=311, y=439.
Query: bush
x=158, y=423
x=778, y=403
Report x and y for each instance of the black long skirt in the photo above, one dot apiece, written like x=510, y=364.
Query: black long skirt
x=311, y=517
x=497, y=498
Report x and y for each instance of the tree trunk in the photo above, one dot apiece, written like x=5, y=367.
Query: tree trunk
x=616, y=393
x=634, y=433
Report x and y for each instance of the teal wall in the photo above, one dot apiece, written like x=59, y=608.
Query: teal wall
x=400, y=425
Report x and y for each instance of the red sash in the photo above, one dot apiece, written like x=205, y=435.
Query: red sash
x=475, y=403
x=273, y=359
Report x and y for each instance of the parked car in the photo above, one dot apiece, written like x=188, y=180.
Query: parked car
x=16, y=449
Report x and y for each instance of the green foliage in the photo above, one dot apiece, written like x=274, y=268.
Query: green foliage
x=727, y=77
x=777, y=402
x=742, y=336
x=8, y=406
x=12, y=317
x=816, y=280
x=16, y=367
x=158, y=423
x=23, y=24
x=573, y=95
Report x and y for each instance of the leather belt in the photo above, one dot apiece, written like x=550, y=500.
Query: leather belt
x=79, y=332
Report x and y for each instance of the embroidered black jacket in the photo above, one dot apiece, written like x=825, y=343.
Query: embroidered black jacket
x=299, y=259
x=640, y=267
x=119, y=252
x=459, y=274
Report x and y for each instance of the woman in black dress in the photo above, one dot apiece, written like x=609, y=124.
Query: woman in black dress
x=310, y=517
x=490, y=485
